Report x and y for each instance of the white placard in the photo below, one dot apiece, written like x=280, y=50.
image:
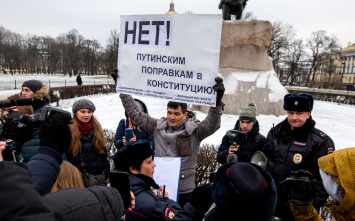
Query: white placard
x=171, y=57
x=167, y=172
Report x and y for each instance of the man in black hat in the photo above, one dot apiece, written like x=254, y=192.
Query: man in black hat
x=37, y=90
x=296, y=144
x=244, y=139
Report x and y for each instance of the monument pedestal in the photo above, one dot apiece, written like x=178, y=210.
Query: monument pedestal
x=247, y=70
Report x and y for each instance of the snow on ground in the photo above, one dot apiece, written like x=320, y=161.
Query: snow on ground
x=334, y=119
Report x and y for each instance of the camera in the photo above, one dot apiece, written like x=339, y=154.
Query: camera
x=11, y=152
x=236, y=137
x=47, y=112
x=12, y=116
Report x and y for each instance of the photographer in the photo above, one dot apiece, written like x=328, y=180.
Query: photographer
x=16, y=130
x=337, y=172
x=244, y=140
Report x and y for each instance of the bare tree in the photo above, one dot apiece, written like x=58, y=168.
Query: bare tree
x=283, y=35
x=320, y=45
x=111, y=57
x=294, y=53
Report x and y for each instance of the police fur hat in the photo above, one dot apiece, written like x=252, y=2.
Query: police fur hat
x=248, y=113
x=298, y=102
x=33, y=85
x=243, y=188
x=133, y=154
x=83, y=103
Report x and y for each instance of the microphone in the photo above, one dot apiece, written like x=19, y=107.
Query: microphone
x=17, y=102
x=232, y=158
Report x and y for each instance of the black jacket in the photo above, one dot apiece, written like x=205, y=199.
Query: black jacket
x=20, y=201
x=93, y=163
x=286, y=147
x=255, y=142
x=151, y=207
x=18, y=198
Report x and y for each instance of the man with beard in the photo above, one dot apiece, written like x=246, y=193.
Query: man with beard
x=296, y=144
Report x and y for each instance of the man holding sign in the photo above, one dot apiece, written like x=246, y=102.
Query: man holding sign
x=176, y=135
x=166, y=57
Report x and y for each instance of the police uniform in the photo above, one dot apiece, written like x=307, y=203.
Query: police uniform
x=291, y=150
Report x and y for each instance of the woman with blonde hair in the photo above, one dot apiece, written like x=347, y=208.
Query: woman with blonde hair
x=87, y=150
x=68, y=177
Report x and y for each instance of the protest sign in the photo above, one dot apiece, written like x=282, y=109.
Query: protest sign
x=172, y=57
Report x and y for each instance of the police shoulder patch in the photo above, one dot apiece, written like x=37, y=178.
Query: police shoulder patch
x=169, y=213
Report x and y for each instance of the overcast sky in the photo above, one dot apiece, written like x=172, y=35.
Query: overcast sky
x=95, y=19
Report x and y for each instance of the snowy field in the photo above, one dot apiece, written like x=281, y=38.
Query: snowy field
x=336, y=120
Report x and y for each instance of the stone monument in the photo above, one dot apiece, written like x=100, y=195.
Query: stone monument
x=247, y=70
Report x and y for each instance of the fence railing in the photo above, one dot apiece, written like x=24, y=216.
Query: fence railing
x=9, y=84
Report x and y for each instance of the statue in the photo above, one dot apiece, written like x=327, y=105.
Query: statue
x=232, y=8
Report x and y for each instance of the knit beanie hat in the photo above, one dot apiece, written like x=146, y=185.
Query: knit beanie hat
x=298, y=102
x=133, y=154
x=33, y=85
x=83, y=103
x=248, y=113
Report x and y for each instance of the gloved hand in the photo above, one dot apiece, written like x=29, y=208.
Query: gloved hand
x=56, y=134
x=301, y=186
x=219, y=88
x=201, y=198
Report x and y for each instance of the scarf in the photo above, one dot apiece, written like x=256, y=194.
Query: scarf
x=148, y=180
x=85, y=128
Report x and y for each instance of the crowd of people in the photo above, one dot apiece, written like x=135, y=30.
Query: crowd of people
x=60, y=164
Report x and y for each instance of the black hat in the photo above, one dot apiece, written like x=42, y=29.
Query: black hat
x=83, y=103
x=298, y=102
x=33, y=85
x=248, y=113
x=133, y=154
x=242, y=188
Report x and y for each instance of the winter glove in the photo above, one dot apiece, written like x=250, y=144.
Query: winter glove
x=301, y=186
x=201, y=198
x=56, y=134
x=219, y=88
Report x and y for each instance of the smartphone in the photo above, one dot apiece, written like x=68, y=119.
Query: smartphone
x=120, y=181
x=128, y=134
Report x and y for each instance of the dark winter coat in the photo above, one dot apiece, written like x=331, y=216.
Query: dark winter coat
x=139, y=133
x=45, y=167
x=255, y=142
x=228, y=207
x=97, y=203
x=79, y=81
x=18, y=198
x=93, y=163
x=30, y=147
x=284, y=145
x=152, y=207
x=39, y=104
x=20, y=201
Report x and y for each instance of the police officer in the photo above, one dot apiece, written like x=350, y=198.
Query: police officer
x=295, y=144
